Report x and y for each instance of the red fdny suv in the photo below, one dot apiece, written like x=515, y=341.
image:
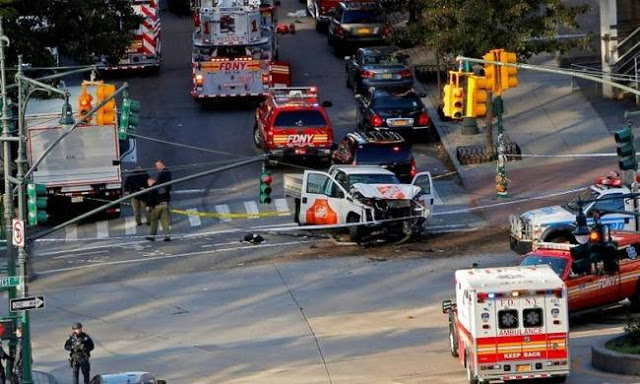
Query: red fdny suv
x=292, y=124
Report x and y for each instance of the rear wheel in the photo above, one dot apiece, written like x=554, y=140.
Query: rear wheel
x=453, y=340
x=558, y=379
x=355, y=233
x=471, y=376
x=256, y=136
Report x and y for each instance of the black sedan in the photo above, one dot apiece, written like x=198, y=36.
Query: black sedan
x=398, y=110
x=377, y=67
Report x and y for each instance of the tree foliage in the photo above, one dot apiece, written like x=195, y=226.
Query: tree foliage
x=473, y=27
x=80, y=29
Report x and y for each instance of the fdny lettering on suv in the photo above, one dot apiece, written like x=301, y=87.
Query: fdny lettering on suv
x=301, y=139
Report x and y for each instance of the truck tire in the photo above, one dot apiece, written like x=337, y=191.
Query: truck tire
x=355, y=233
x=256, y=136
x=471, y=376
x=453, y=339
x=558, y=379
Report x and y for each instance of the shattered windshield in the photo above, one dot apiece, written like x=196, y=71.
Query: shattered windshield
x=586, y=196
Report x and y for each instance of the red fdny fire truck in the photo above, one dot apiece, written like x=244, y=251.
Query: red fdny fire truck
x=604, y=273
x=509, y=324
x=292, y=124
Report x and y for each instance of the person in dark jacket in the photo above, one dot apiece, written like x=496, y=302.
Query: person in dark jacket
x=161, y=212
x=135, y=182
x=79, y=345
x=6, y=357
x=17, y=358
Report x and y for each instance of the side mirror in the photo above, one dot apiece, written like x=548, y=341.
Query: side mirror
x=422, y=94
x=327, y=104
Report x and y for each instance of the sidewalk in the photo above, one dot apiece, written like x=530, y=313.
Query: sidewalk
x=545, y=117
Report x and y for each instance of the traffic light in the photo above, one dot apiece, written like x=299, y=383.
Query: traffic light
x=37, y=203
x=6, y=330
x=626, y=149
x=130, y=118
x=454, y=96
x=84, y=103
x=508, y=78
x=107, y=114
x=265, y=187
x=603, y=249
x=490, y=70
x=477, y=96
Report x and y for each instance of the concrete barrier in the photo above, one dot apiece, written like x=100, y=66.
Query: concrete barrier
x=605, y=359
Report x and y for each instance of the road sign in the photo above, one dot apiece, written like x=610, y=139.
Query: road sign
x=26, y=303
x=10, y=281
x=17, y=233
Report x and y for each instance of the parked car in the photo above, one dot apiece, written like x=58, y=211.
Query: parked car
x=136, y=377
x=397, y=110
x=377, y=67
x=356, y=24
x=385, y=148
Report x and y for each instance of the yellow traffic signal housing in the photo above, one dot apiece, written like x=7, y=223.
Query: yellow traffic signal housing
x=491, y=71
x=477, y=96
x=107, y=114
x=454, y=95
x=84, y=102
x=508, y=77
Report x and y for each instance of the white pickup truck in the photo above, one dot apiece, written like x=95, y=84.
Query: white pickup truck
x=364, y=194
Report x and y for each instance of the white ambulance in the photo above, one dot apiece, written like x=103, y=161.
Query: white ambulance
x=510, y=323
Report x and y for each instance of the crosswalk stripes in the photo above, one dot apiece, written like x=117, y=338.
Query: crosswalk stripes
x=194, y=219
x=130, y=226
x=103, y=229
x=223, y=210
x=252, y=209
x=282, y=206
x=71, y=233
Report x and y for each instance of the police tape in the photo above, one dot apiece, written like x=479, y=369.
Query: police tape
x=227, y=215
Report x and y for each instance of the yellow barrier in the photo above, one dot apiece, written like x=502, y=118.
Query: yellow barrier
x=217, y=215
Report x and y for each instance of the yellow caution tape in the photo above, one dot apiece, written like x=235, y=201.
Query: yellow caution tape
x=217, y=215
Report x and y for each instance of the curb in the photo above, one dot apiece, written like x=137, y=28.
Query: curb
x=605, y=359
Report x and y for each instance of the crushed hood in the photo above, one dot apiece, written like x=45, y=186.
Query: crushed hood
x=387, y=191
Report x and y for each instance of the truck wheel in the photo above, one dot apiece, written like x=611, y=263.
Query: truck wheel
x=354, y=232
x=558, y=379
x=453, y=340
x=256, y=136
x=471, y=376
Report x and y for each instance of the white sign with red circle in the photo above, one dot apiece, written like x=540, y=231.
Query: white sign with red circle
x=17, y=233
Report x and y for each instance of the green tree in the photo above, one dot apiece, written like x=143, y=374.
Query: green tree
x=80, y=29
x=473, y=27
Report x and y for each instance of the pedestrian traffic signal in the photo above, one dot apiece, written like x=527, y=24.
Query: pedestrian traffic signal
x=84, y=103
x=265, y=187
x=37, y=202
x=130, y=118
x=477, y=96
x=454, y=95
x=626, y=149
x=107, y=114
x=508, y=75
x=6, y=329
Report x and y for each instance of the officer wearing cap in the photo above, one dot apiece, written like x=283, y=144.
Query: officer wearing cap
x=79, y=345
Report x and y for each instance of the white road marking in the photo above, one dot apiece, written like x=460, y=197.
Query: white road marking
x=252, y=209
x=103, y=229
x=223, y=209
x=82, y=254
x=71, y=233
x=282, y=206
x=130, y=227
x=66, y=251
x=194, y=219
x=190, y=254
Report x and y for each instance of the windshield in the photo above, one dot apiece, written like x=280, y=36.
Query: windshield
x=373, y=178
x=586, y=195
x=556, y=263
x=301, y=118
x=362, y=16
x=383, y=59
x=383, y=154
x=388, y=101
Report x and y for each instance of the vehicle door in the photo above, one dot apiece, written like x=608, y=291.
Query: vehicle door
x=321, y=199
x=427, y=193
x=587, y=289
x=611, y=202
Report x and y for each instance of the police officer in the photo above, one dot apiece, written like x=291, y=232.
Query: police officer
x=161, y=212
x=79, y=345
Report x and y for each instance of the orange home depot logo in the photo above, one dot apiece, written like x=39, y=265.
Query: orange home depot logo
x=321, y=213
x=391, y=192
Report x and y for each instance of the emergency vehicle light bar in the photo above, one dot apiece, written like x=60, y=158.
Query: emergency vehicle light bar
x=555, y=246
x=482, y=296
x=295, y=94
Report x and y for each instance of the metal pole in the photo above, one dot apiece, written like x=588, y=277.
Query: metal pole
x=58, y=75
x=8, y=195
x=501, y=177
x=136, y=194
x=23, y=257
x=635, y=62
